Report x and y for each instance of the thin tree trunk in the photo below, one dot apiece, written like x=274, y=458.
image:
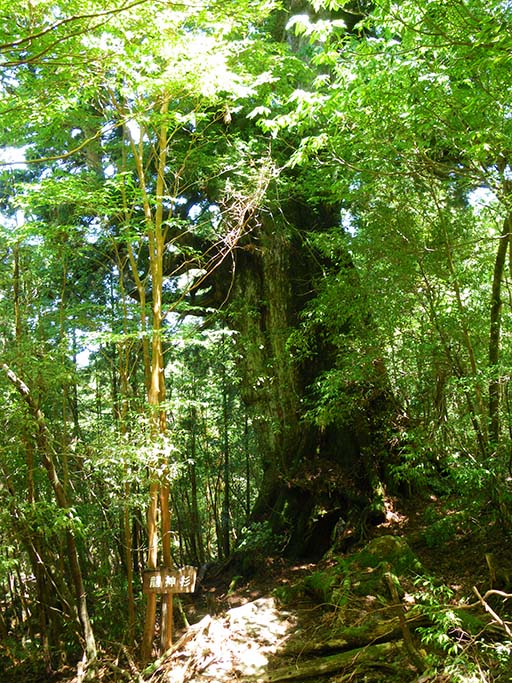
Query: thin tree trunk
x=31, y=540
x=47, y=454
x=152, y=563
x=128, y=549
x=196, y=537
x=16, y=291
x=226, y=501
x=74, y=393
x=123, y=356
x=159, y=492
x=459, y=371
x=247, y=467
x=478, y=416
x=35, y=554
x=167, y=598
x=127, y=532
x=495, y=332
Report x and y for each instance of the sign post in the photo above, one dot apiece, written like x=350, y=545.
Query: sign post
x=164, y=581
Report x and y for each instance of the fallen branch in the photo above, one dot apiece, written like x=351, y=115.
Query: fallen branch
x=133, y=668
x=413, y=653
x=119, y=671
x=192, y=632
x=490, y=610
x=360, y=657
x=371, y=633
x=494, y=591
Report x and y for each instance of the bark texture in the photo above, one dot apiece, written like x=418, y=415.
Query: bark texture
x=307, y=469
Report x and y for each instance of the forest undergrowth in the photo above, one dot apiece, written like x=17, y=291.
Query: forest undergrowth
x=423, y=598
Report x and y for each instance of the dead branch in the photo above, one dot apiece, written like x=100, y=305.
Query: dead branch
x=490, y=611
x=193, y=632
x=347, y=639
x=360, y=657
x=413, y=653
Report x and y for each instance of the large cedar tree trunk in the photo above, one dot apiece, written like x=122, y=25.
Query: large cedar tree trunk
x=310, y=474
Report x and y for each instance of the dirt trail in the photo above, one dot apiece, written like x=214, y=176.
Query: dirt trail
x=250, y=636
x=242, y=631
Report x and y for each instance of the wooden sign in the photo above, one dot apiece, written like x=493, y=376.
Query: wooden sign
x=164, y=580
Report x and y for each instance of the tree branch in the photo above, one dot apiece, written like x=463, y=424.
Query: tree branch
x=68, y=20
x=490, y=611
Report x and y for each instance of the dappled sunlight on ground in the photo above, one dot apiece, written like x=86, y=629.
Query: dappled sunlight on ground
x=231, y=647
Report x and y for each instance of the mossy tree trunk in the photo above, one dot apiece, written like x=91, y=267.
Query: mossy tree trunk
x=307, y=469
